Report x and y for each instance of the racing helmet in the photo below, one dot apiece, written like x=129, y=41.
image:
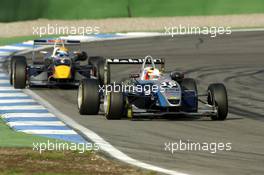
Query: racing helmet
x=62, y=52
x=151, y=73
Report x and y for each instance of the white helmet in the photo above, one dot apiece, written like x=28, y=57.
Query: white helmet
x=150, y=73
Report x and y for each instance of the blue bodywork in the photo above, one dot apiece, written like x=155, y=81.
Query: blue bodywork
x=162, y=96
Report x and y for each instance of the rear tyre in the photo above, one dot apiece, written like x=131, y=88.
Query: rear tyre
x=94, y=60
x=104, y=79
x=190, y=84
x=99, y=64
x=19, y=73
x=11, y=66
x=88, y=97
x=114, y=105
x=217, y=95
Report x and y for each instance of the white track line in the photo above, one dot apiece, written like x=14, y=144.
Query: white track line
x=16, y=101
x=3, y=75
x=34, y=123
x=35, y=131
x=25, y=115
x=6, y=89
x=104, y=145
x=13, y=94
x=26, y=107
x=248, y=30
x=17, y=48
x=4, y=81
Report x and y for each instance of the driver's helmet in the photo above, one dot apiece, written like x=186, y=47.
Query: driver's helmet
x=62, y=52
x=151, y=73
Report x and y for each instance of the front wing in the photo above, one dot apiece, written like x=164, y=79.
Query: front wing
x=207, y=111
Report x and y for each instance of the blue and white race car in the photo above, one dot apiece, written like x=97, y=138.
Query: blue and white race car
x=152, y=93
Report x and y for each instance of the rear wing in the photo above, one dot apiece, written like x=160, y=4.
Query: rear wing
x=48, y=43
x=134, y=61
x=143, y=61
x=55, y=41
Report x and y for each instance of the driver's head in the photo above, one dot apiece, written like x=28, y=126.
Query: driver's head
x=62, y=52
x=151, y=73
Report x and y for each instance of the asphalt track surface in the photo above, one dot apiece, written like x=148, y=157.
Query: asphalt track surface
x=236, y=60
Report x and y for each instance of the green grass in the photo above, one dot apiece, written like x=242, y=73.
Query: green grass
x=19, y=39
x=85, y=9
x=151, y=8
x=11, y=138
x=12, y=40
x=15, y=10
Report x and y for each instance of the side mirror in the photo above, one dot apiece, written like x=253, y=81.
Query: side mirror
x=177, y=76
x=134, y=75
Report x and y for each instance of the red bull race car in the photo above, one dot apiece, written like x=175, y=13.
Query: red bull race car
x=60, y=67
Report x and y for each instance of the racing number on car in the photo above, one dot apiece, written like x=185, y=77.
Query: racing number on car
x=169, y=84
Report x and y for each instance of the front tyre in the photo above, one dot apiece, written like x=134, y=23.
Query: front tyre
x=11, y=66
x=19, y=73
x=114, y=105
x=88, y=97
x=217, y=96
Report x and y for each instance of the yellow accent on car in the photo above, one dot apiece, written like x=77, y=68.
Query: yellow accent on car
x=108, y=99
x=129, y=112
x=62, y=72
x=64, y=49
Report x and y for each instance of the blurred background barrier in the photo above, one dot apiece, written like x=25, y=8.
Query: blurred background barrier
x=17, y=10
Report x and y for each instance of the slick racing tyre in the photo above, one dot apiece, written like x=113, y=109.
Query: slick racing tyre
x=11, y=66
x=190, y=84
x=88, y=97
x=217, y=95
x=94, y=62
x=99, y=64
x=19, y=73
x=114, y=105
